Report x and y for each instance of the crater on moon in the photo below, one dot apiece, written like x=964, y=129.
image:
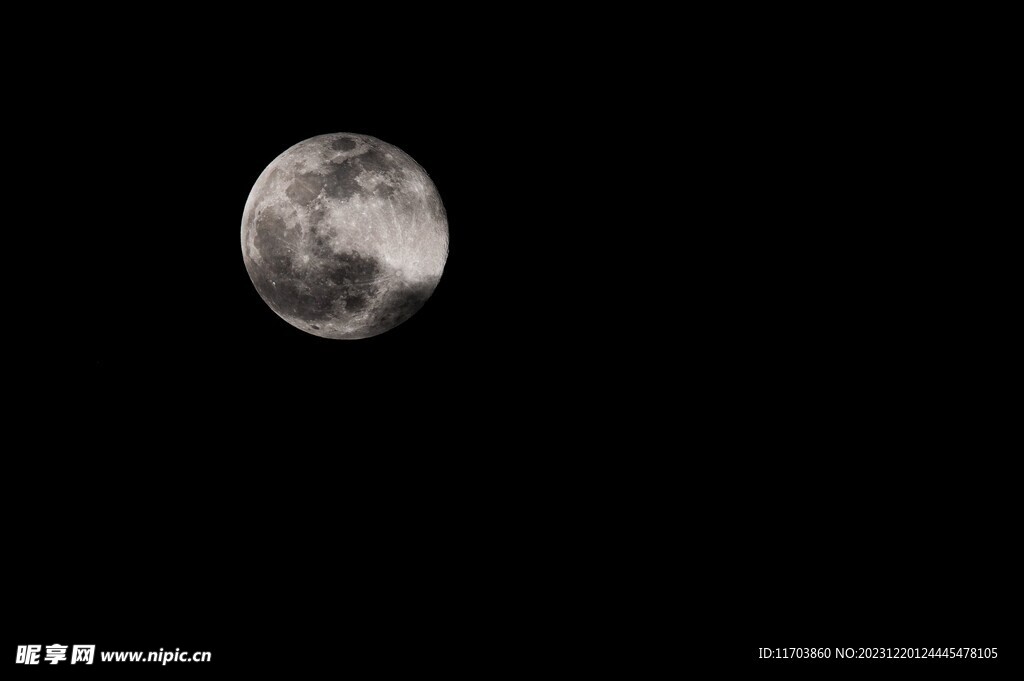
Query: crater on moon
x=344, y=236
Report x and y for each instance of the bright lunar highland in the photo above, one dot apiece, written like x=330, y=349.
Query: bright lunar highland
x=344, y=236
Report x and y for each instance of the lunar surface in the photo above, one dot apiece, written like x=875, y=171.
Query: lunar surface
x=344, y=236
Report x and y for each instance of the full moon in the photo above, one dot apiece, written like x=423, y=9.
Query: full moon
x=344, y=236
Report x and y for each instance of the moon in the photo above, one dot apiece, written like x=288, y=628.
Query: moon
x=344, y=236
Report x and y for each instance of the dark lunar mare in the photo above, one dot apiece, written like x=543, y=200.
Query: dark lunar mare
x=399, y=304
x=343, y=144
x=326, y=286
x=341, y=180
